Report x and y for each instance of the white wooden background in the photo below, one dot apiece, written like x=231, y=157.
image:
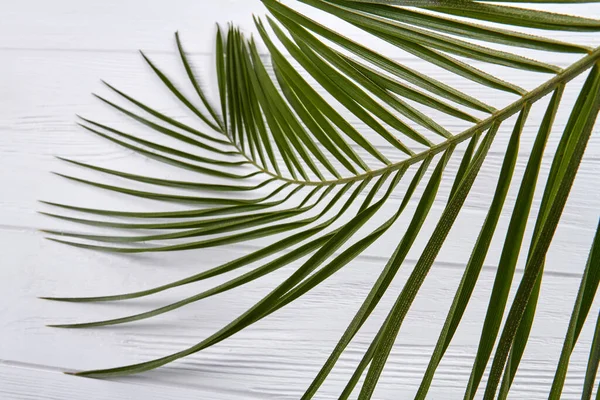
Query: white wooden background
x=52, y=55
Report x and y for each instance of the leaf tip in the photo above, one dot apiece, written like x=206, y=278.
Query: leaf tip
x=99, y=97
x=107, y=84
x=59, y=174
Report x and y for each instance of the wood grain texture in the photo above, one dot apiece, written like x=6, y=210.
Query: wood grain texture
x=53, y=54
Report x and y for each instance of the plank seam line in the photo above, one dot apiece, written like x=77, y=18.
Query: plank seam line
x=150, y=384
x=442, y=264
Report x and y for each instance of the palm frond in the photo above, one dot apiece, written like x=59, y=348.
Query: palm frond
x=293, y=151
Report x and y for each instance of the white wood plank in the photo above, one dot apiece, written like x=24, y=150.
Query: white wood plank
x=53, y=54
x=30, y=382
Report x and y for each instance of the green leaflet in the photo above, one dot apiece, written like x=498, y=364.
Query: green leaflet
x=592, y=367
x=387, y=64
x=463, y=28
x=420, y=44
x=580, y=130
x=196, y=84
x=166, y=159
x=171, y=183
x=348, y=94
x=464, y=164
x=519, y=16
x=223, y=227
x=178, y=94
x=233, y=60
x=364, y=77
x=296, y=127
x=203, y=223
x=158, y=128
x=405, y=91
x=441, y=42
x=541, y=1
x=230, y=98
x=583, y=303
x=302, y=288
x=451, y=64
x=322, y=130
x=164, y=196
x=158, y=115
x=392, y=325
x=475, y=263
x=390, y=270
x=231, y=284
x=248, y=134
x=244, y=260
x=260, y=309
x=425, y=3
x=510, y=251
x=364, y=362
x=218, y=241
x=221, y=79
x=255, y=114
x=525, y=327
x=261, y=83
x=204, y=212
x=321, y=111
x=501, y=14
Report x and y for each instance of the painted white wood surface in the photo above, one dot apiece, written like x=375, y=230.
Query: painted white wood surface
x=52, y=55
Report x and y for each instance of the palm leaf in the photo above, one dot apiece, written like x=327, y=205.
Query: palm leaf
x=293, y=145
